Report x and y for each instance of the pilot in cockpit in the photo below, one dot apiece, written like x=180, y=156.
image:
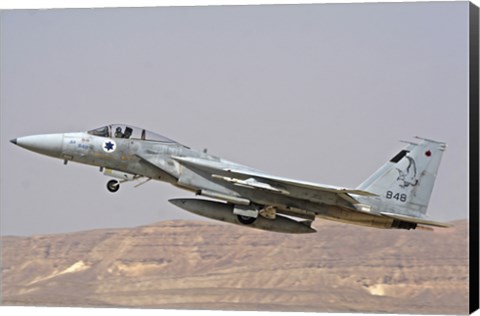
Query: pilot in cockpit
x=118, y=132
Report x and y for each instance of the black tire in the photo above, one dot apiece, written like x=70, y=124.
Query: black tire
x=246, y=220
x=113, y=186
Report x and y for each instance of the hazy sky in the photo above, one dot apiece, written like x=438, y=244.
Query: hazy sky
x=312, y=92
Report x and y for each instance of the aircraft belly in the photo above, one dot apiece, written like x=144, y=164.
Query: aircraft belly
x=352, y=217
x=307, y=209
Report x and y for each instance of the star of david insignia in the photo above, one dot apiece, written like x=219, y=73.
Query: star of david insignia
x=109, y=146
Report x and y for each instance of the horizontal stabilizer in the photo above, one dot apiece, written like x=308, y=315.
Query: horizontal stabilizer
x=416, y=220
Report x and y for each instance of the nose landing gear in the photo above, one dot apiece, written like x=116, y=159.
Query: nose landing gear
x=113, y=185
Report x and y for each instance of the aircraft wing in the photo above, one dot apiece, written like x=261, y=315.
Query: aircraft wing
x=301, y=184
x=257, y=180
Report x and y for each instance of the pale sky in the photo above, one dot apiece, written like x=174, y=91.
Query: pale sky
x=312, y=92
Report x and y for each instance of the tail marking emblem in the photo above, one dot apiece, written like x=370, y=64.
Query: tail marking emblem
x=408, y=177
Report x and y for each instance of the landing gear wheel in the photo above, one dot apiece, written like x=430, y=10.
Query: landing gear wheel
x=113, y=185
x=246, y=220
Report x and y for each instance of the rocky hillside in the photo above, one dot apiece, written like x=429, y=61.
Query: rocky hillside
x=204, y=265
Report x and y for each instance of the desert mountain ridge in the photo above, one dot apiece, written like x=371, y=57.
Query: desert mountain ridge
x=209, y=265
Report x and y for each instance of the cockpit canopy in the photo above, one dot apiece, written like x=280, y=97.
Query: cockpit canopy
x=128, y=132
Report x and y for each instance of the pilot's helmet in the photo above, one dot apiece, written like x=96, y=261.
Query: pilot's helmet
x=119, y=129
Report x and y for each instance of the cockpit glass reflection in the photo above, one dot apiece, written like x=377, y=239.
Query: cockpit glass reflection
x=129, y=132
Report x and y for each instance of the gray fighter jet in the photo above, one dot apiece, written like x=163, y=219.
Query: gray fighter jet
x=395, y=196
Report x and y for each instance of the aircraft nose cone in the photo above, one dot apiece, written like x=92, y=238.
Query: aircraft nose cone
x=49, y=144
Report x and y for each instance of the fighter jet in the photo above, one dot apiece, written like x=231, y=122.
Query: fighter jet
x=396, y=196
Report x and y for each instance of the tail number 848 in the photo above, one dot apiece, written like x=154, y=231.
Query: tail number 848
x=396, y=196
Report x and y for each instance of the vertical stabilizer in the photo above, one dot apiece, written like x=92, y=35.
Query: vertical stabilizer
x=405, y=183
